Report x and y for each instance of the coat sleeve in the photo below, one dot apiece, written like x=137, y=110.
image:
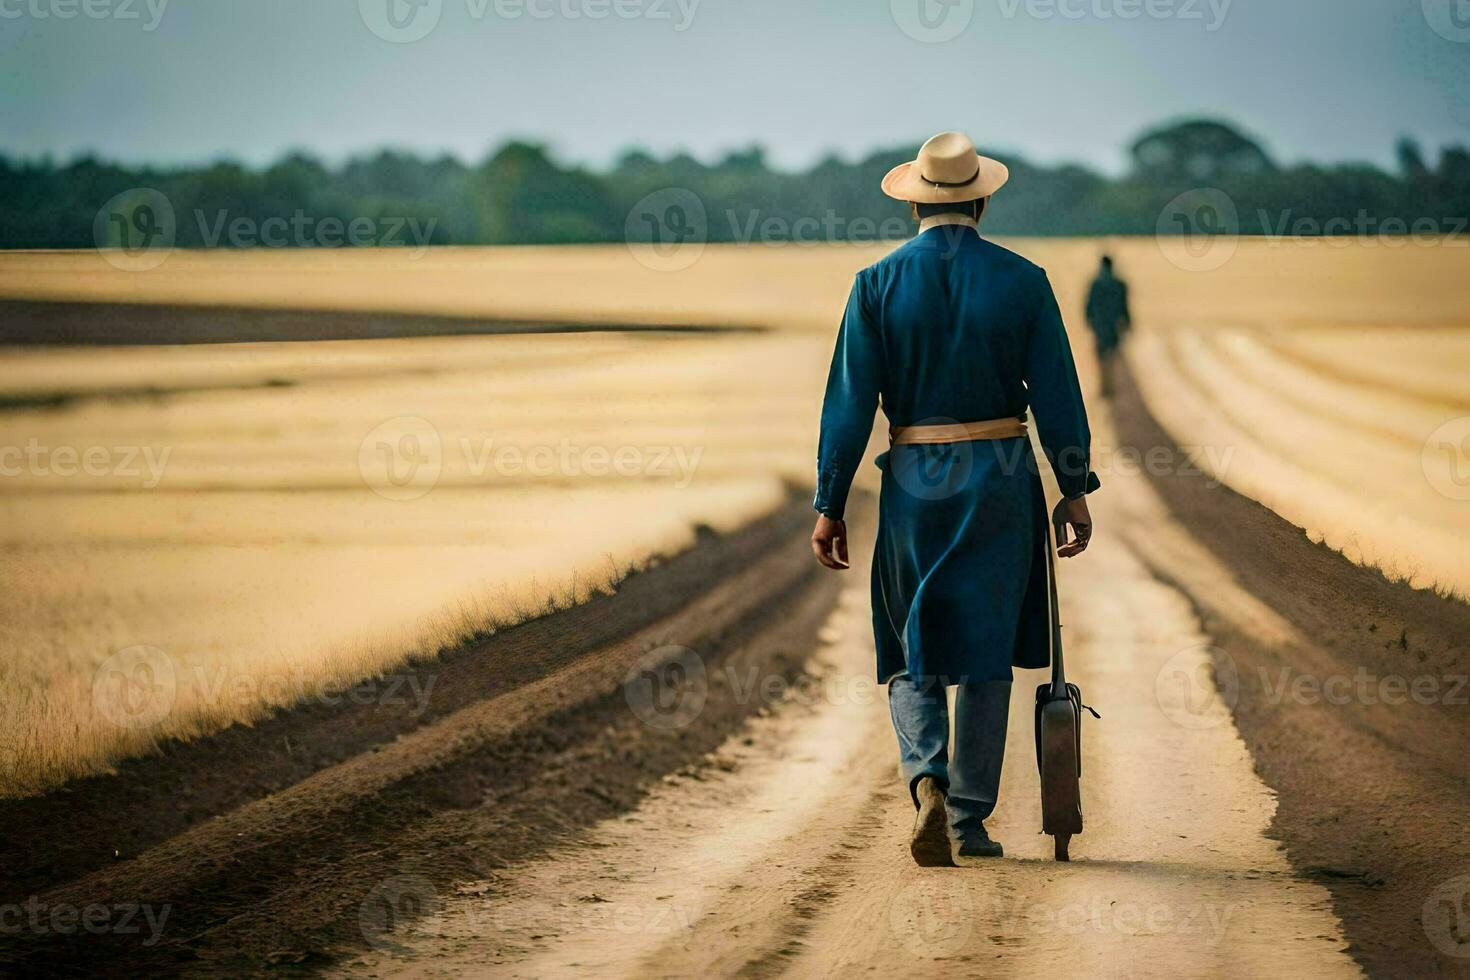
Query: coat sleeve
x=1056, y=396
x=853, y=385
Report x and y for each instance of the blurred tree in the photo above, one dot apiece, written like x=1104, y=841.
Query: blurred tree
x=1199, y=150
x=1410, y=158
x=522, y=196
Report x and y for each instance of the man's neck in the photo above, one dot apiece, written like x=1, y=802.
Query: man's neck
x=935, y=220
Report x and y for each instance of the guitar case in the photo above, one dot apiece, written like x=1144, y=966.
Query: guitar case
x=1059, y=710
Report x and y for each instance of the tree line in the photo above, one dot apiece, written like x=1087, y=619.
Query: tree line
x=520, y=194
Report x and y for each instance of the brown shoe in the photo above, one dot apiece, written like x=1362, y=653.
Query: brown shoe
x=930, y=842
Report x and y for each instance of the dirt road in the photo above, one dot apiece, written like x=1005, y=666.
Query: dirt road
x=1351, y=691
x=546, y=817
x=790, y=858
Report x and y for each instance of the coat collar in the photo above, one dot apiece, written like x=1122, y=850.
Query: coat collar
x=939, y=220
x=947, y=235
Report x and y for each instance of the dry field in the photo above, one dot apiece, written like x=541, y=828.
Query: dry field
x=258, y=551
x=242, y=526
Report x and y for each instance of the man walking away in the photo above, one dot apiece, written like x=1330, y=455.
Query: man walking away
x=1107, y=315
x=961, y=340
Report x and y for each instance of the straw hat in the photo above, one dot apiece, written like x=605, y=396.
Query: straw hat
x=948, y=171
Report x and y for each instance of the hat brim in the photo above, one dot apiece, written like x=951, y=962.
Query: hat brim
x=903, y=183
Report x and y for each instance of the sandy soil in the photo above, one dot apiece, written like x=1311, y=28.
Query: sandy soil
x=792, y=861
x=1351, y=692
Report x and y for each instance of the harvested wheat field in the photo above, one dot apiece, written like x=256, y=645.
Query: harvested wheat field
x=342, y=644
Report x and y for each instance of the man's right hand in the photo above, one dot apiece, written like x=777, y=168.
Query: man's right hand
x=829, y=543
x=1072, y=512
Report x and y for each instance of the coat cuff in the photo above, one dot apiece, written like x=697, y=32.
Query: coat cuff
x=828, y=507
x=1089, y=484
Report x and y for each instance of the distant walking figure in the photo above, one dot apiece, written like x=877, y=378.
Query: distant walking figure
x=1107, y=315
x=959, y=338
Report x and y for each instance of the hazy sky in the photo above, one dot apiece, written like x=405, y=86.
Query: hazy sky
x=1055, y=79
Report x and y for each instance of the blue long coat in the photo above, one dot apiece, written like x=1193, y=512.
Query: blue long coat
x=953, y=328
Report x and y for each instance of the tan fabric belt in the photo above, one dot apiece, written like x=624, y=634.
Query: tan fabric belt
x=933, y=435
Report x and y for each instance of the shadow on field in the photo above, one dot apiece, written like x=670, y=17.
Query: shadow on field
x=126, y=324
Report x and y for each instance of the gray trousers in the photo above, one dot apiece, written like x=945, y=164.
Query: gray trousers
x=971, y=773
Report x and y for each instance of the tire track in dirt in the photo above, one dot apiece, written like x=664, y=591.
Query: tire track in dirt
x=94, y=822
x=722, y=876
x=281, y=879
